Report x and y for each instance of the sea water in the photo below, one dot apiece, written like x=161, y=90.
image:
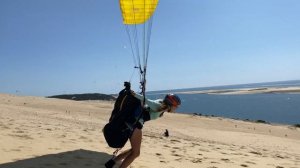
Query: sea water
x=271, y=107
x=277, y=108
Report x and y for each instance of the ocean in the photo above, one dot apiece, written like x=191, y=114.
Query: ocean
x=281, y=108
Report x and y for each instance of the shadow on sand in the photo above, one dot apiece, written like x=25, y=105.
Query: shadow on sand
x=71, y=159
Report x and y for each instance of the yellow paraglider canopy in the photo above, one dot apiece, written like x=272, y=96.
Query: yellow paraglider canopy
x=137, y=19
x=137, y=11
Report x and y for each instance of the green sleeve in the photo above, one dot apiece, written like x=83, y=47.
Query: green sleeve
x=154, y=105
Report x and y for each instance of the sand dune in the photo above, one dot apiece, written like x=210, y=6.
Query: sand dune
x=40, y=132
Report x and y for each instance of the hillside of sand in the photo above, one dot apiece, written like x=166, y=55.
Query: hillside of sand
x=37, y=132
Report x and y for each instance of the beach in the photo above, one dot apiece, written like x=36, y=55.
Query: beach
x=51, y=133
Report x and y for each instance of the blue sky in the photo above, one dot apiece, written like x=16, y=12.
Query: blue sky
x=77, y=46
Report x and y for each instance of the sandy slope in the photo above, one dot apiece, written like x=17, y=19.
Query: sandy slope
x=39, y=132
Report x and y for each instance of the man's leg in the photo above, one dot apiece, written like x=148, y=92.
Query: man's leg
x=135, y=141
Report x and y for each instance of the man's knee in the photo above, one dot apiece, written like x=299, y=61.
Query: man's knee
x=135, y=153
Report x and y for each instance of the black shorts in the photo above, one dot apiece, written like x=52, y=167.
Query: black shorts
x=138, y=125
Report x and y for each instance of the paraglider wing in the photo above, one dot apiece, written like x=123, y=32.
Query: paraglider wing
x=137, y=19
x=137, y=11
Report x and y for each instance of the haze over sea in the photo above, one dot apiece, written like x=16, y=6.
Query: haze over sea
x=283, y=108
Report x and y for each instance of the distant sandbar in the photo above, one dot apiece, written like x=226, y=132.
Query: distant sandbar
x=290, y=90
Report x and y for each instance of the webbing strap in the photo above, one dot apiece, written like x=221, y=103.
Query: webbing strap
x=121, y=106
x=115, y=153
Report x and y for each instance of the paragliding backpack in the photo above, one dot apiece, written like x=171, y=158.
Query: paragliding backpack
x=122, y=120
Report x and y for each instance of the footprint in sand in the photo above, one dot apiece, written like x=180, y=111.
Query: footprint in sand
x=255, y=152
x=175, y=154
x=18, y=131
x=83, y=137
x=225, y=160
x=249, y=162
x=204, y=150
x=280, y=157
x=178, y=159
x=195, y=144
x=162, y=159
x=4, y=126
x=175, y=147
x=197, y=160
x=242, y=147
x=62, y=136
x=237, y=154
x=15, y=150
x=175, y=140
x=22, y=136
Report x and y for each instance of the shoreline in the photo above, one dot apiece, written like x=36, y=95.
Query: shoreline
x=257, y=121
